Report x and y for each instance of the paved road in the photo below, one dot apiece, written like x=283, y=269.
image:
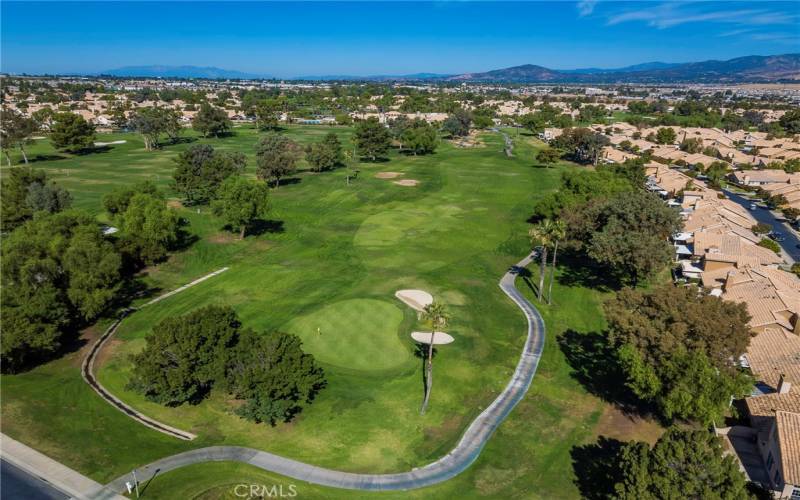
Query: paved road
x=459, y=458
x=791, y=246
x=16, y=484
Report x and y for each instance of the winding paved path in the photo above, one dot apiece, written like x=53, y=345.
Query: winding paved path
x=87, y=367
x=459, y=458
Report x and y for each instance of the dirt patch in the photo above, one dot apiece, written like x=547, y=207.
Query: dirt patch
x=387, y=175
x=616, y=423
x=222, y=238
x=88, y=337
x=107, y=352
x=174, y=204
x=470, y=141
x=407, y=182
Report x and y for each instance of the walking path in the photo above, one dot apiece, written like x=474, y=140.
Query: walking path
x=55, y=475
x=87, y=368
x=456, y=461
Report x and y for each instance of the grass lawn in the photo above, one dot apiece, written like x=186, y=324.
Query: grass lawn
x=331, y=259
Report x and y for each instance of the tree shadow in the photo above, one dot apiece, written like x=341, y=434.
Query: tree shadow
x=144, y=488
x=526, y=275
x=288, y=181
x=594, y=366
x=579, y=270
x=597, y=468
x=182, y=140
x=92, y=150
x=260, y=227
x=46, y=157
x=364, y=159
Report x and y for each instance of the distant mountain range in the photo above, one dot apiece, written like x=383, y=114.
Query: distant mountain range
x=742, y=69
x=157, y=71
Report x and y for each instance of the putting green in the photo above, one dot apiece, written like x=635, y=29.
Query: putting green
x=360, y=334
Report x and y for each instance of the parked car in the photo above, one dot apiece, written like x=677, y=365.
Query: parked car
x=753, y=206
x=777, y=236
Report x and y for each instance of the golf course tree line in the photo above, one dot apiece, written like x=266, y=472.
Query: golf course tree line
x=416, y=136
x=68, y=132
x=683, y=463
x=186, y=357
x=152, y=122
x=678, y=350
x=60, y=272
x=611, y=221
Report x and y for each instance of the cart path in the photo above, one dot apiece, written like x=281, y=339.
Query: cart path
x=450, y=465
x=87, y=368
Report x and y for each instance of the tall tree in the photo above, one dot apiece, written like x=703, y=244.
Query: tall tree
x=240, y=202
x=458, y=123
x=211, y=121
x=276, y=157
x=150, y=123
x=541, y=235
x=557, y=233
x=16, y=131
x=372, y=139
x=25, y=191
x=678, y=350
x=267, y=114
x=148, y=228
x=420, y=137
x=325, y=155
x=200, y=170
x=437, y=318
x=683, y=464
x=70, y=132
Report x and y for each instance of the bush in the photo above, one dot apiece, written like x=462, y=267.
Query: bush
x=768, y=243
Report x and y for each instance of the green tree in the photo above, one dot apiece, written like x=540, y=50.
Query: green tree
x=185, y=355
x=535, y=122
x=558, y=231
x=148, y=228
x=25, y=191
x=683, y=464
x=790, y=121
x=58, y=272
x=325, y=155
x=677, y=350
x=276, y=157
x=273, y=374
x=241, y=202
x=420, y=137
x=117, y=201
x=372, y=139
x=211, y=121
x=458, y=123
x=267, y=114
x=70, y=132
x=150, y=123
x=548, y=156
x=200, y=170
x=627, y=233
x=436, y=317
x=541, y=237
x=582, y=145
x=770, y=245
x=665, y=135
x=15, y=131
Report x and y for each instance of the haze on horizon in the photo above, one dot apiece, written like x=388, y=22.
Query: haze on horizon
x=360, y=38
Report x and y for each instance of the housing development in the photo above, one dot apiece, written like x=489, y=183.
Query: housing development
x=579, y=279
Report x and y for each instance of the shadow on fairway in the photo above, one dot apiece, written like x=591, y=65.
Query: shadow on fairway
x=577, y=270
x=593, y=364
x=289, y=181
x=260, y=227
x=50, y=157
x=597, y=468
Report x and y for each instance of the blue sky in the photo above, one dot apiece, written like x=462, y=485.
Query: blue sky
x=291, y=39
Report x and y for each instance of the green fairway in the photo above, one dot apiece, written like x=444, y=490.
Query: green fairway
x=332, y=257
x=361, y=334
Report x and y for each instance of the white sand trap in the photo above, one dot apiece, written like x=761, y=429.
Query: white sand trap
x=439, y=338
x=407, y=182
x=387, y=175
x=415, y=299
x=109, y=143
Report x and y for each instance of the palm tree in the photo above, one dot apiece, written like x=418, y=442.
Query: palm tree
x=557, y=233
x=436, y=317
x=541, y=234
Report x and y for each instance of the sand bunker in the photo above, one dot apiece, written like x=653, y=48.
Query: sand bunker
x=415, y=299
x=407, y=182
x=439, y=338
x=387, y=175
x=100, y=144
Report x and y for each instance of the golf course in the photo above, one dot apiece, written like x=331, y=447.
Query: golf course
x=325, y=267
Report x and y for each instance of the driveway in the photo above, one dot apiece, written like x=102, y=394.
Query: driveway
x=791, y=245
x=448, y=466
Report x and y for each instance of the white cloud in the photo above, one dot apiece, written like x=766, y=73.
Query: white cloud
x=668, y=15
x=586, y=7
